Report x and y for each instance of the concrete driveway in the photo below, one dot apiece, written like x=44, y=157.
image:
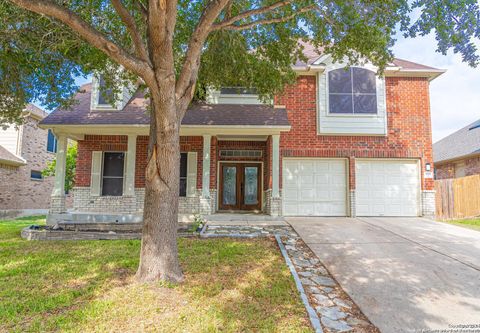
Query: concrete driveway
x=406, y=274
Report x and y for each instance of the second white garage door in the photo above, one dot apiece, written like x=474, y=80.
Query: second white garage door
x=387, y=188
x=314, y=187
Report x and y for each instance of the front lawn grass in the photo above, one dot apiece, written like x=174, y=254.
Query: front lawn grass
x=85, y=286
x=467, y=223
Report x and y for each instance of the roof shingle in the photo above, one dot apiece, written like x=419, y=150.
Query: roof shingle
x=136, y=113
x=9, y=158
x=463, y=142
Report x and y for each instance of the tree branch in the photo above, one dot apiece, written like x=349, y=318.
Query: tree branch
x=188, y=76
x=251, y=12
x=89, y=34
x=280, y=19
x=129, y=22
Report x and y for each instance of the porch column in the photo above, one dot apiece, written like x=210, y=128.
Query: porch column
x=60, y=164
x=207, y=138
x=130, y=165
x=276, y=165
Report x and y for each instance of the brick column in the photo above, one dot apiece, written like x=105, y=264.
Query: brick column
x=57, y=201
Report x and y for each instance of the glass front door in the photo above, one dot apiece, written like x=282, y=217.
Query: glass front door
x=240, y=186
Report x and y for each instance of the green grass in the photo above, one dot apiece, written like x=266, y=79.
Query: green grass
x=85, y=286
x=467, y=223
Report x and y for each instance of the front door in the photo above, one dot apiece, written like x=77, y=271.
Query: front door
x=240, y=186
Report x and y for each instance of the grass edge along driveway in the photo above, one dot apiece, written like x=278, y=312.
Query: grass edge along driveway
x=83, y=286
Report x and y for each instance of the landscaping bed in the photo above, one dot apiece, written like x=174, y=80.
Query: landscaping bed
x=231, y=285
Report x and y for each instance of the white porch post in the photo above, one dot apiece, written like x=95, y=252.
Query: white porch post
x=130, y=165
x=60, y=165
x=206, y=166
x=276, y=166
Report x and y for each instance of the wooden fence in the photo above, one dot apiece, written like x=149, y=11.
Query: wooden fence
x=457, y=198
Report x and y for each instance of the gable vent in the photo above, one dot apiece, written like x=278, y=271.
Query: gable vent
x=240, y=153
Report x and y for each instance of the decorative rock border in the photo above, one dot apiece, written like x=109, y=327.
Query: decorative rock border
x=46, y=234
x=329, y=308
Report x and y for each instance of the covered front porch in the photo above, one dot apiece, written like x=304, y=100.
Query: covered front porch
x=223, y=169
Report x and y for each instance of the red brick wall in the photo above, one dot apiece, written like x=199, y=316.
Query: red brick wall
x=408, y=117
x=447, y=170
x=95, y=143
x=119, y=143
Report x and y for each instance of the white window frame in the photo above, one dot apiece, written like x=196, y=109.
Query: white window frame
x=54, y=141
x=123, y=176
x=327, y=73
x=216, y=97
x=380, y=87
x=331, y=123
x=94, y=105
x=186, y=176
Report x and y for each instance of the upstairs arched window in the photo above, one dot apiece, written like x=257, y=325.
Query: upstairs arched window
x=352, y=91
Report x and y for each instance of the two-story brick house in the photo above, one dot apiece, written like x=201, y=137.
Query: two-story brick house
x=338, y=142
x=25, y=150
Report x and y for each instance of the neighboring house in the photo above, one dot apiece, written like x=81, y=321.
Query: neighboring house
x=336, y=143
x=458, y=155
x=25, y=151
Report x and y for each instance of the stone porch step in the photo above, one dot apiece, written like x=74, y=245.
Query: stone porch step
x=244, y=219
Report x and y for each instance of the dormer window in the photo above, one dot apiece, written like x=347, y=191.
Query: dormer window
x=238, y=91
x=233, y=95
x=104, y=94
x=352, y=91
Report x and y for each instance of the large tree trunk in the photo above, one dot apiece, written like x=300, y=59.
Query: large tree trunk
x=159, y=252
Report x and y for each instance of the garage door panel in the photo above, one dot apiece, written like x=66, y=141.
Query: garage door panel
x=322, y=194
x=338, y=179
x=307, y=194
x=318, y=190
x=321, y=179
x=387, y=188
x=290, y=195
x=306, y=180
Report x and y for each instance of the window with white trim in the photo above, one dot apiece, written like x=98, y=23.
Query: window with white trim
x=183, y=174
x=352, y=91
x=113, y=173
x=104, y=94
x=51, y=142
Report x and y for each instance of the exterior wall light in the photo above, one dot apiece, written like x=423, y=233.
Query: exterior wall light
x=428, y=167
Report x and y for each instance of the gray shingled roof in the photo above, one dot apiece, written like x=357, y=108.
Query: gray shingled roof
x=312, y=54
x=35, y=111
x=135, y=113
x=9, y=158
x=465, y=141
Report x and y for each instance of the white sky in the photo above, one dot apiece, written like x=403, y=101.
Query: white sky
x=455, y=95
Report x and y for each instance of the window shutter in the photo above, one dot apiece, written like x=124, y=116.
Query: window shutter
x=96, y=173
x=124, y=173
x=191, y=174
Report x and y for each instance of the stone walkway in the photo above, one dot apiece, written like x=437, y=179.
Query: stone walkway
x=333, y=306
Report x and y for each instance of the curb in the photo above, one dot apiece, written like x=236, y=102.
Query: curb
x=314, y=320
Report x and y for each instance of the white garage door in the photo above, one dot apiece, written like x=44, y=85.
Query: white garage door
x=387, y=188
x=315, y=187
